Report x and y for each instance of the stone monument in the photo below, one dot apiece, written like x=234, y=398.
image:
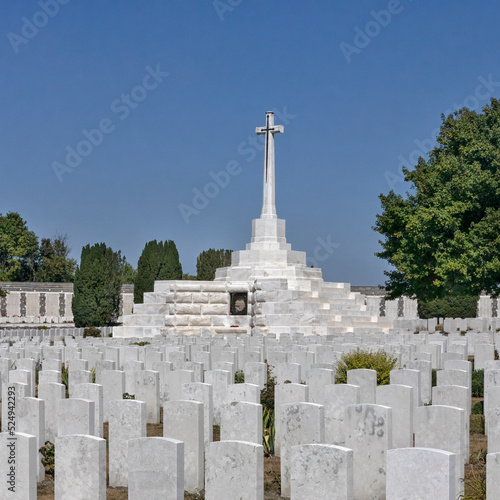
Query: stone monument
x=268, y=289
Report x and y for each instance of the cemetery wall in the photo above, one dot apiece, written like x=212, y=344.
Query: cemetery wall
x=38, y=303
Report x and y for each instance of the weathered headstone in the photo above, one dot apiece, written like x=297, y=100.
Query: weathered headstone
x=443, y=427
x=155, y=468
x=127, y=420
x=367, y=382
x=246, y=463
x=18, y=465
x=338, y=397
x=302, y=423
x=400, y=399
x=80, y=465
x=183, y=420
x=241, y=420
x=321, y=472
x=197, y=391
x=75, y=416
x=420, y=473
x=369, y=435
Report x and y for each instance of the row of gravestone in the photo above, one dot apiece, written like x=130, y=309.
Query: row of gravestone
x=48, y=332
x=220, y=379
x=163, y=467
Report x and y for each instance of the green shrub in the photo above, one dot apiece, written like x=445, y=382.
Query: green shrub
x=239, y=377
x=140, y=344
x=477, y=424
x=379, y=361
x=268, y=424
x=478, y=383
x=48, y=457
x=65, y=377
x=126, y=395
x=91, y=331
x=268, y=431
x=267, y=394
x=42, y=327
x=478, y=408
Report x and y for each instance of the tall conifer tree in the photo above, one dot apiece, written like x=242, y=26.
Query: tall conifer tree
x=158, y=261
x=97, y=286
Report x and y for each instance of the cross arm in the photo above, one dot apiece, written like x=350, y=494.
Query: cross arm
x=276, y=129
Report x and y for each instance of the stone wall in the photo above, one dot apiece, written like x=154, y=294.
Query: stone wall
x=32, y=302
x=402, y=307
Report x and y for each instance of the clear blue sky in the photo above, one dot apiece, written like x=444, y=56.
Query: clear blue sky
x=354, y=106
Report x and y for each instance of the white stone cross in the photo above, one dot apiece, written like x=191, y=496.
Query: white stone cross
x=268, y=202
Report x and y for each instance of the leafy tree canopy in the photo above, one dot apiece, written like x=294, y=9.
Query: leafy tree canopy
x=444, y=237
x=18, y=249
x=55, y=264
x=210, y=260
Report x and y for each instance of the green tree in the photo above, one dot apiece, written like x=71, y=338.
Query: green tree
x=55, y=264
x=97, y=287
x=3, y=293
x=443, y=237
x=127, y=272
x=210, y=260
x=158, y=261
x=18, y=249
x=450, y=306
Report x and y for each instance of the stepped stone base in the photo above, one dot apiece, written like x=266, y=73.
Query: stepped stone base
x=284, y=296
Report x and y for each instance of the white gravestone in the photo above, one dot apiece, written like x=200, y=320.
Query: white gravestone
x=338, y=397
x=80, y=468
x=301, y=423
x=369, y=435
x=321, y=472
x=183, y=420
x=245, y=461
x=420, y=473
x=155, y=468
x=127, y=420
